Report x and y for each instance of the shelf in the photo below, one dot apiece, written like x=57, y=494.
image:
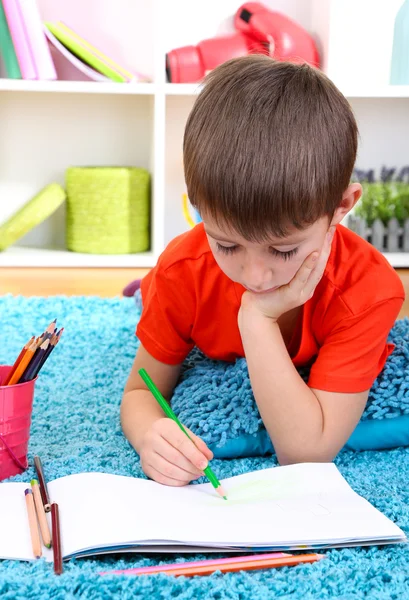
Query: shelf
x=77, y=87
x=19, y=256
x=398, y=259
x=387, y=91
x=170, y=89
x=182, y=89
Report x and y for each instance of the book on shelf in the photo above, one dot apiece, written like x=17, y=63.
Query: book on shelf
x=89, y=54
x=30, y=49
x=37, y=41
x=18, y=36
x=7, y=52
x=69, y=66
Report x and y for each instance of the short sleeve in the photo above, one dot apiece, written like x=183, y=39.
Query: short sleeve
x=167, y=316
x=355, y=351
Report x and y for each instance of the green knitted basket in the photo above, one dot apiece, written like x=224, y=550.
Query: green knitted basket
x=108, y=210
x=35, y=211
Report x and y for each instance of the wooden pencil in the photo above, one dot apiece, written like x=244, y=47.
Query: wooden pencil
x=55, y=521
x=53, y=342
x=32, y=522
x=42, y=521
x=32, y=368
x=287, y=561
x=25, y=361
x=18, y=360
x=43, y=486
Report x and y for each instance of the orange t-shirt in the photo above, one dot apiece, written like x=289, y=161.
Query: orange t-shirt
x=188, y=301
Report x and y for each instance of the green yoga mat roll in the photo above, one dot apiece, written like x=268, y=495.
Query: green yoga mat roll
x=31, y=214
x=108, y=210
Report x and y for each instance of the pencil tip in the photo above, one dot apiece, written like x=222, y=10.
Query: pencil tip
x=221, y=492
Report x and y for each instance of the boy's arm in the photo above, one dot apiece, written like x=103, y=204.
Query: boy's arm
x=167, y=455
x=139, y=409
x=305, y=425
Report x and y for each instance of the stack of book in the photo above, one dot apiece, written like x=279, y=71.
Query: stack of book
x=31, y=49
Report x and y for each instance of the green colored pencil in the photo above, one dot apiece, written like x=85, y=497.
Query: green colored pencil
x=171, y=415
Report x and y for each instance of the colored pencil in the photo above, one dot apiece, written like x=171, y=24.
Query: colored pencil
x=53, y=342
x=43, y=486
x=55, y=522
x=212, y=562
x=32, y=368
x=234, y=565
x=18, y=360
x=272, y=563
x=32, y=522
x=25, y=361
x=171, y=415
x=42, y=521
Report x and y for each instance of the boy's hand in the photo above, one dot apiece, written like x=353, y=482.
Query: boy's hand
x=168, y=456
x=300, y=289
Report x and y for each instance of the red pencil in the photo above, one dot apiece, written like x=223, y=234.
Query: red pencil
x=55, y=522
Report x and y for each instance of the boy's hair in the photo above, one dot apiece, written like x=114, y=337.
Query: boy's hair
x=268, y=145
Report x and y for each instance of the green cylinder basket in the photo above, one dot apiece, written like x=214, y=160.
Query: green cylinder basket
x=108, y=210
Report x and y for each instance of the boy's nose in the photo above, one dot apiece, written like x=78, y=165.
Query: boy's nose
x=258, y=277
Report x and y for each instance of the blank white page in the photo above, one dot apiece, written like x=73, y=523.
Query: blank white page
x=306, y=504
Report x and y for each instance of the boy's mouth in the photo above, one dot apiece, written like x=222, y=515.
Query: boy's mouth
x=262, y=291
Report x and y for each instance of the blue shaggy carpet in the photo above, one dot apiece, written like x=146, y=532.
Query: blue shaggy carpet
x=75, y=428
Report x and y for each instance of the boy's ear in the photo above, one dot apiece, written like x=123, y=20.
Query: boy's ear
x=349, y=198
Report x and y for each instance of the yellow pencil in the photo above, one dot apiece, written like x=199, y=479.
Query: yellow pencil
x=32, y=522
x=45, y=530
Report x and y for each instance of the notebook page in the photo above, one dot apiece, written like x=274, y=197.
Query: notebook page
x=309, y=503
x=15, y=541
x=299, y=504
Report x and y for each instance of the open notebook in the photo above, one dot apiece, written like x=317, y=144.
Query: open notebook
x=306, y=505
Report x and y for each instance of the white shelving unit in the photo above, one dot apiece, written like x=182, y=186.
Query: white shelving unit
x=48, y=126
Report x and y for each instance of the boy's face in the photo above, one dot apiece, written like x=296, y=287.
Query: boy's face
x=261, y=267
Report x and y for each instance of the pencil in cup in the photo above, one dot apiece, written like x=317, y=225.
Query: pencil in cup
x=171, y=415
x=18, y=361
x=32, y=523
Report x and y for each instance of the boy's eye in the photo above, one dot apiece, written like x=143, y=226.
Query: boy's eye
x=226, y=249
x=284, y=255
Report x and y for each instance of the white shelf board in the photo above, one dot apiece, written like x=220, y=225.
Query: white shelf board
x=77, y=87
x=387, y=91
x=182, y=89
x=398, y=259
x=19, y=256
x=170, y=89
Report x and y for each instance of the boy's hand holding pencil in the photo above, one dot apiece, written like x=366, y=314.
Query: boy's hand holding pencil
x=172, y=454
x=168, y=456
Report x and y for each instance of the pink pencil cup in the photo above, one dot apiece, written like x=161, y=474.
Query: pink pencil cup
x=16, y=404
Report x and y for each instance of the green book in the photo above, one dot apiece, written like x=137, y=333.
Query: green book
x=7, y=49
x=82, y=52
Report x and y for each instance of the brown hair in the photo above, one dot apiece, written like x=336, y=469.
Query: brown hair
x=268, y=145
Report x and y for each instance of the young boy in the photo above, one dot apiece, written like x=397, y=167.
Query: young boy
x=270, y=274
